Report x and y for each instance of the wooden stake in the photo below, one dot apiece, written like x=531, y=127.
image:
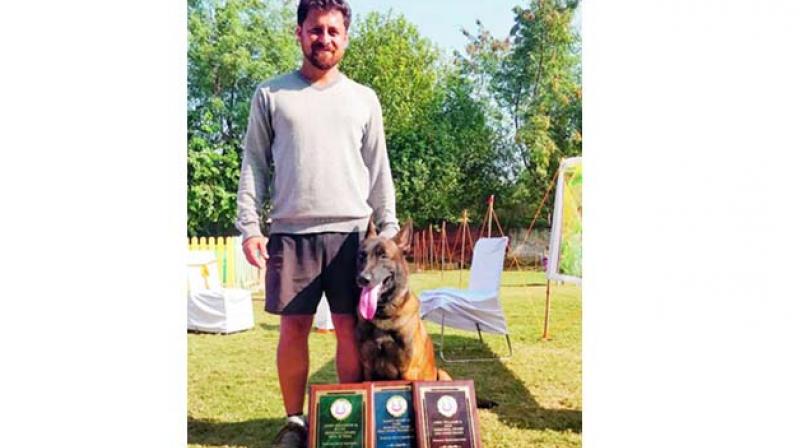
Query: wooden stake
x=490, y=214
x=432, y=246
x=546, y=335
x=463, y=244
x=416, y=250
x=499, y=227
x=471, y=242
x=451, y=250
x=444, y=245
x=423, y=250
x=541, y=204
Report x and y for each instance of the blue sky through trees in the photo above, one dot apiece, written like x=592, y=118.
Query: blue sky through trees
x=441, y=20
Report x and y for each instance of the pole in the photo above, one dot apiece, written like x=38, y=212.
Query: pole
x=432, y=246
x=444, y=244
x=418, y=251
x=423, y=250
x=490, y=214
x=546, y=335
x=463, y=244
x=541, y=204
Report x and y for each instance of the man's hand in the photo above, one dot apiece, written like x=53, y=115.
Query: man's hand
x=255, y=250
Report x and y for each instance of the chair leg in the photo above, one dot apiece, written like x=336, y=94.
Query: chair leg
x=478, y=326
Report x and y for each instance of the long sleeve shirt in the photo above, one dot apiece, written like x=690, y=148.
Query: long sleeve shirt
x=319, y=155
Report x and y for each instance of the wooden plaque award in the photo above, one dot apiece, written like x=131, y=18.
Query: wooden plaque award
x=446, y=414
x=338, y=415
x=391, y=416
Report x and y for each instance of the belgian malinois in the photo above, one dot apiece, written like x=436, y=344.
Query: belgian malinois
x=393, y=343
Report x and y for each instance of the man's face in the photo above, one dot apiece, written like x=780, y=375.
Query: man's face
x=323, y=38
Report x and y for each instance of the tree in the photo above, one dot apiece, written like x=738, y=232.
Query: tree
x=233, y=45
x=387, y=54
x=540, y=83
x=533, y=77
x=494, y=120
x=439, y=141
x=466, y=125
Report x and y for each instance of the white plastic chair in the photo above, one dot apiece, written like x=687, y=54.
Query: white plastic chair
x=476, y=308
x=212, y=308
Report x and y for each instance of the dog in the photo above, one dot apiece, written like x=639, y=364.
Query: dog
x=392, y=340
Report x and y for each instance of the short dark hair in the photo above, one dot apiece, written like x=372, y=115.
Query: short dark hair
x=306, y=5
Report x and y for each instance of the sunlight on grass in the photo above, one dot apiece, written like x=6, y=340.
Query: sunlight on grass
x=234, y=399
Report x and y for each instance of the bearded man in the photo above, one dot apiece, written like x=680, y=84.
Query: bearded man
x=315, y=147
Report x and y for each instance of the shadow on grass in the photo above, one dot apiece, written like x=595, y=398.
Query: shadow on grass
x=256, y=433
x=496, y=382
x=493, y=381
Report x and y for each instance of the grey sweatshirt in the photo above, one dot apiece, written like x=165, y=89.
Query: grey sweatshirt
x=320, y=155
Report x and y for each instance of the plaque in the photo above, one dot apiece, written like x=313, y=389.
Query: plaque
x=446, y=415
x=338, y=415
x=391, y=415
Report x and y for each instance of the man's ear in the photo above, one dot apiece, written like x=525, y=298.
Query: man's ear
x=371, y=233
x=403, y=237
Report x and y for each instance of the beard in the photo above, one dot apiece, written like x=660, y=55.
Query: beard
x=321, y=59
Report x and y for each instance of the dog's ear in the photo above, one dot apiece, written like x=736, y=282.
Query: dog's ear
x=371, y=233
x=403, y=237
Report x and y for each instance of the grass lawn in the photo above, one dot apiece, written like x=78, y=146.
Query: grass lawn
x=235, y=401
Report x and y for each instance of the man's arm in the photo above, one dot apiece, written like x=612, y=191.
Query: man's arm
x=254, y=180
x=381, y=187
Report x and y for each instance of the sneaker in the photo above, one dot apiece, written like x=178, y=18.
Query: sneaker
x=292, y=435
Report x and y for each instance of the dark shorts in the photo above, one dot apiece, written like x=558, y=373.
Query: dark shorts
x=301, y=267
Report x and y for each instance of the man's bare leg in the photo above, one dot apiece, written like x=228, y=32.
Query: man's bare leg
x=293, y=361
x=348, y=367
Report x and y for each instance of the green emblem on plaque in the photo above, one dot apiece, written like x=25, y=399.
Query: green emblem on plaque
x=341, y=409
x=341, y=420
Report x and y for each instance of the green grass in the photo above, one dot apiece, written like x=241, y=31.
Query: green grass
x=234, y=399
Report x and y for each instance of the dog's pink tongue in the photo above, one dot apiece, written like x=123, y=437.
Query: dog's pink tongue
x=369, y=302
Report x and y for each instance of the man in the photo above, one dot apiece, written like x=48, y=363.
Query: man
x=315, y=143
